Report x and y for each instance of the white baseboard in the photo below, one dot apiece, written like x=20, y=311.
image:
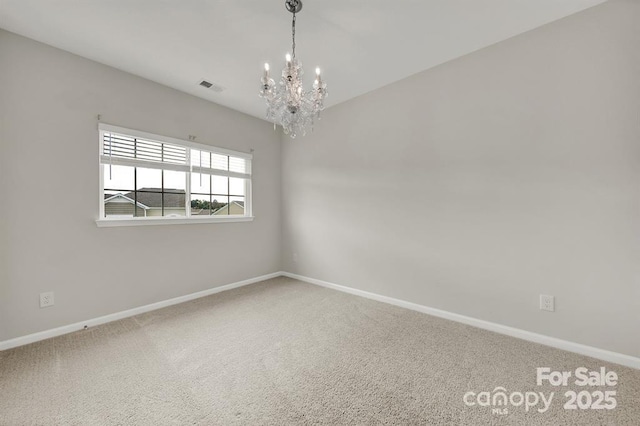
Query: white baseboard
x=602, y=354
x=591, y=351
x=31, y=338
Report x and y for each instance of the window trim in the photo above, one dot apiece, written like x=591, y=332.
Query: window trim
x=144, y=221
x=103, y=221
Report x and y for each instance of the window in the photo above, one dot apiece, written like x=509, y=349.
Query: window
x=146, y=178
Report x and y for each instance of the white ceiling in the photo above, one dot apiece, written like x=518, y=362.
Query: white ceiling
x=360, y=45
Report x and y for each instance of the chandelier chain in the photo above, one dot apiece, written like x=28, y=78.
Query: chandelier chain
x=293, y=36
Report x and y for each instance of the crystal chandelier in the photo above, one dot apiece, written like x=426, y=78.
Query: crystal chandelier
x=287, y=102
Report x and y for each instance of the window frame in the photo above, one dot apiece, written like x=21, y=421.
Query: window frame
x=103, y=221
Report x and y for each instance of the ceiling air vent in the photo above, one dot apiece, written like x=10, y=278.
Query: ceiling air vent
x=216, y=88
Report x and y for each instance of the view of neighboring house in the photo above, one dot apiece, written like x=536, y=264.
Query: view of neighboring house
x=149, y=202
x=237, y=208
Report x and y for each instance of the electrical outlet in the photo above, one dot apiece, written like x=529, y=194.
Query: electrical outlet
x=547, y=303
x=46, y=299
x=295, y=257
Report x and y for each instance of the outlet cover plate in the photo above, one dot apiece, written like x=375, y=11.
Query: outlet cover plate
x=46, y=299
x=547, y=303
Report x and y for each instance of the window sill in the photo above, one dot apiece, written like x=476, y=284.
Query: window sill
x=104, y=223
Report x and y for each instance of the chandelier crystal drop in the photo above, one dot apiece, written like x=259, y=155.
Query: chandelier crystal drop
x=288, y=104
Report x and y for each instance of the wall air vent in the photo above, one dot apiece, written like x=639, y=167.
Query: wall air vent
x=215, y=87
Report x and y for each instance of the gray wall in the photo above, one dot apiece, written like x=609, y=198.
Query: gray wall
x=476, y=186
x=49, y=100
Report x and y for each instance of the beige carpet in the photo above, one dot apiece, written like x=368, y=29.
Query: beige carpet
x=285, y=352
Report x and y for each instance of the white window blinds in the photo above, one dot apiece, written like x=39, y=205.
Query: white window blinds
x=127, y=149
